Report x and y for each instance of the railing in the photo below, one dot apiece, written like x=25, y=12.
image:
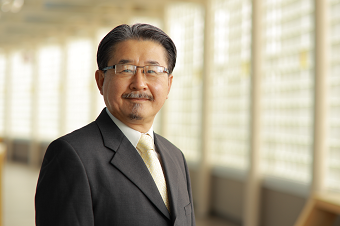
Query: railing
x=320, y=210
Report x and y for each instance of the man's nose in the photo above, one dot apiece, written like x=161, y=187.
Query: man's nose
x=139, y=81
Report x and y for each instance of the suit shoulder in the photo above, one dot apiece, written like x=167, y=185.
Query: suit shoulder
x=166, y=141
x=169, y=145
x=82, y=132
x=83, y=144
x=78, y=139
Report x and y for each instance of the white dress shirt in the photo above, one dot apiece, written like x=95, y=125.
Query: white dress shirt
x=132, y=135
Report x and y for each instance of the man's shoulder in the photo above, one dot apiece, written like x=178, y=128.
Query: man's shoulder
x=79, y=141
x=168, y=144
x=82, y=138
x=165, y=141
x=82, y=133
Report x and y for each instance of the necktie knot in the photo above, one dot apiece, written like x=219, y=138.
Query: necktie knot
x=145, y=143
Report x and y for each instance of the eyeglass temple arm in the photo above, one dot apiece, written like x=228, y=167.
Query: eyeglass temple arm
x=108, y=68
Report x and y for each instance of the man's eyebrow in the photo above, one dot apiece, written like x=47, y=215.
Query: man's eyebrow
x=123, y=61
x=152, y=62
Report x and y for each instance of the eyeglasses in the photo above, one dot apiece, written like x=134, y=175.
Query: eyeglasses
x=130, y=70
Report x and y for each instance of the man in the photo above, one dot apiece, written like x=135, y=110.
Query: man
x=116, y=170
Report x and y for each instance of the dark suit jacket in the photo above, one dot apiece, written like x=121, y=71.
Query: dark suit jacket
x=94, y=176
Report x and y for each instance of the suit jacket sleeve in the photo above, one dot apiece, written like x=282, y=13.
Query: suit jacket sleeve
x=192, y=213
x=63, y=195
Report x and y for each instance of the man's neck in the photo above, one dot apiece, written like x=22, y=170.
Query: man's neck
x=120, y=123
x=139, y=125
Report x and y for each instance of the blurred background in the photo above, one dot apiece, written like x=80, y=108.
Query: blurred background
x=254, y=106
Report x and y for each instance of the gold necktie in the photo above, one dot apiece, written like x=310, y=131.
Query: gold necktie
x=146, y=149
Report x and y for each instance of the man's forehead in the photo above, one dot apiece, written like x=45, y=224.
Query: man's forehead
x=130, y=61
x=127, y=52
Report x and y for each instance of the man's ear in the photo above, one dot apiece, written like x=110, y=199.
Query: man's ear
x=100, y=80
x=169, y=84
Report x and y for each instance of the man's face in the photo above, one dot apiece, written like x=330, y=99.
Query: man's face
x=137, y=113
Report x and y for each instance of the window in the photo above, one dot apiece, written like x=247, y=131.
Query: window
x=3, y=63
x=231, y=83
x=333, y=164
x=288, y=89
x=21, y=93
x=186, y=28
x=49, y=88
x=80, y=56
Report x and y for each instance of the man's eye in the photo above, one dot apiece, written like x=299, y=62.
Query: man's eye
x=151, y=72
x=127, y=71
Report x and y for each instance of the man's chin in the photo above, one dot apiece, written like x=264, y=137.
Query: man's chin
x=133, y=116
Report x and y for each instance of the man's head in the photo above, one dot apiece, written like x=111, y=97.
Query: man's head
x=140, y=32
x=133, y=94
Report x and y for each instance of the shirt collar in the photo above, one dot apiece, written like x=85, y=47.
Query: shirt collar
x=132, y=135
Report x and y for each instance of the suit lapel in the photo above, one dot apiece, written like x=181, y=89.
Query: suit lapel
x=127, y=160
x=170, y=169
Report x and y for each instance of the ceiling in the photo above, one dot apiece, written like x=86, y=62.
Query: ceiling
x=44, y=18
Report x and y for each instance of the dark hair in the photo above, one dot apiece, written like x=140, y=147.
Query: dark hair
x=125, y=32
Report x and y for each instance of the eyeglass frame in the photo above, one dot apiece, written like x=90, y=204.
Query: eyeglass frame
x=114, y=67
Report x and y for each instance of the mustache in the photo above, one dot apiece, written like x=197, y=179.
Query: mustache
x=137, y=95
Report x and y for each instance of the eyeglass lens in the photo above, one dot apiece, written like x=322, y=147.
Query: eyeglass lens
x=127, y=69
